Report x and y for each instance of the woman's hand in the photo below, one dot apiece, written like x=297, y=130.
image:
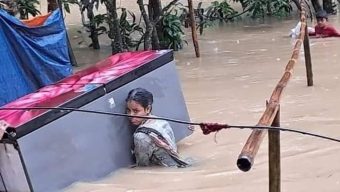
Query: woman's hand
x=3, y=127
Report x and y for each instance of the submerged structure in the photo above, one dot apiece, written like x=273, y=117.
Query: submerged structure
x=52, y=149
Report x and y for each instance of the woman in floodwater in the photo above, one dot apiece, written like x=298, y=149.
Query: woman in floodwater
x=154, y=141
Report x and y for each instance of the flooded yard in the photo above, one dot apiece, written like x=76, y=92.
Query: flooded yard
x=239, y=66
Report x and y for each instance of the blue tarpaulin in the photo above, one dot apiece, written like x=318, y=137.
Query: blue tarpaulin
x=31, y=57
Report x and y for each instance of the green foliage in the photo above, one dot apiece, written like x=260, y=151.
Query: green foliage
x=99, y=23
x=220, y=10
x=282, y=8
x=169, y=29
x=257, y=8
x=131, y=31
x=172, y=36
x=261, y=8
x=28, y=7
x=66, y=4
x=224, y=12
x=94, y=24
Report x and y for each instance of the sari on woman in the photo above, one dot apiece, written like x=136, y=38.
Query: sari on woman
x=154, y=144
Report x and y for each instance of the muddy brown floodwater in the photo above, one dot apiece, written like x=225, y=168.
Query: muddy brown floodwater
x=239, y=67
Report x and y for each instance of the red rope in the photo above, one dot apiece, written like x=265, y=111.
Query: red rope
x=208, y=128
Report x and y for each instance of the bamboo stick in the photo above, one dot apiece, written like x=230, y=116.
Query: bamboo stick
x=250, y=149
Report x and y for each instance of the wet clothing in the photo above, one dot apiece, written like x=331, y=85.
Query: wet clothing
x=327, y=31
x=154, y=144
x=295, y=32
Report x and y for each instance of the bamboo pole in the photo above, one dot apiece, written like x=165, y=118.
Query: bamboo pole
x=308, y=59
x=274, y=156
x=193, y=28
x=250, y=149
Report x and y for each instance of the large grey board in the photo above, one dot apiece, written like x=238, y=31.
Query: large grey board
x=85, y=147
x=13, y=178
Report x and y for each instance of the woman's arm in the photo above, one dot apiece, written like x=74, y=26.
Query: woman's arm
x=143, y=148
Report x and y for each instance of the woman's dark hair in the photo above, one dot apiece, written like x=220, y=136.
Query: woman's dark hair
x=140, y=95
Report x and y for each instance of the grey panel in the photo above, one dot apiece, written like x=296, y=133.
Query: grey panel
x=86, y=147
x=164, y=84
x=13, y=177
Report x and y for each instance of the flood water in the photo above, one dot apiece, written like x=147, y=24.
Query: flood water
x=239, y=67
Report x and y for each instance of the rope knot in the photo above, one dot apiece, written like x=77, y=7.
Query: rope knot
x=208, y=128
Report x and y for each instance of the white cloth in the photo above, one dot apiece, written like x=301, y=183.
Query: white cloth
x=295, y=32
x=154, y=144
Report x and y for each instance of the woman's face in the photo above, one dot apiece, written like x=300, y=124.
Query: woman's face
x=135, y=108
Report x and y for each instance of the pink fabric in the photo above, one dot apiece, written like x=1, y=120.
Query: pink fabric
x=73, y=86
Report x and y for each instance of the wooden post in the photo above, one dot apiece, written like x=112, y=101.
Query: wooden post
x=308, y=59
x=274, y=156
x=193, y=28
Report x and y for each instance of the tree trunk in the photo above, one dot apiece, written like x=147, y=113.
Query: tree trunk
x=157, y=14
x=123, y=31
x=244, y=4
x=269, y=8
x=155, y=10
x=148, y=24
x=52, y=5
x=114, y=32
x=328, y=6
x=93, y=31
x=23, y=14
x=155, y=39
x=297, y=4
x=164, y=10
x=316, y=4
x=193, y=28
